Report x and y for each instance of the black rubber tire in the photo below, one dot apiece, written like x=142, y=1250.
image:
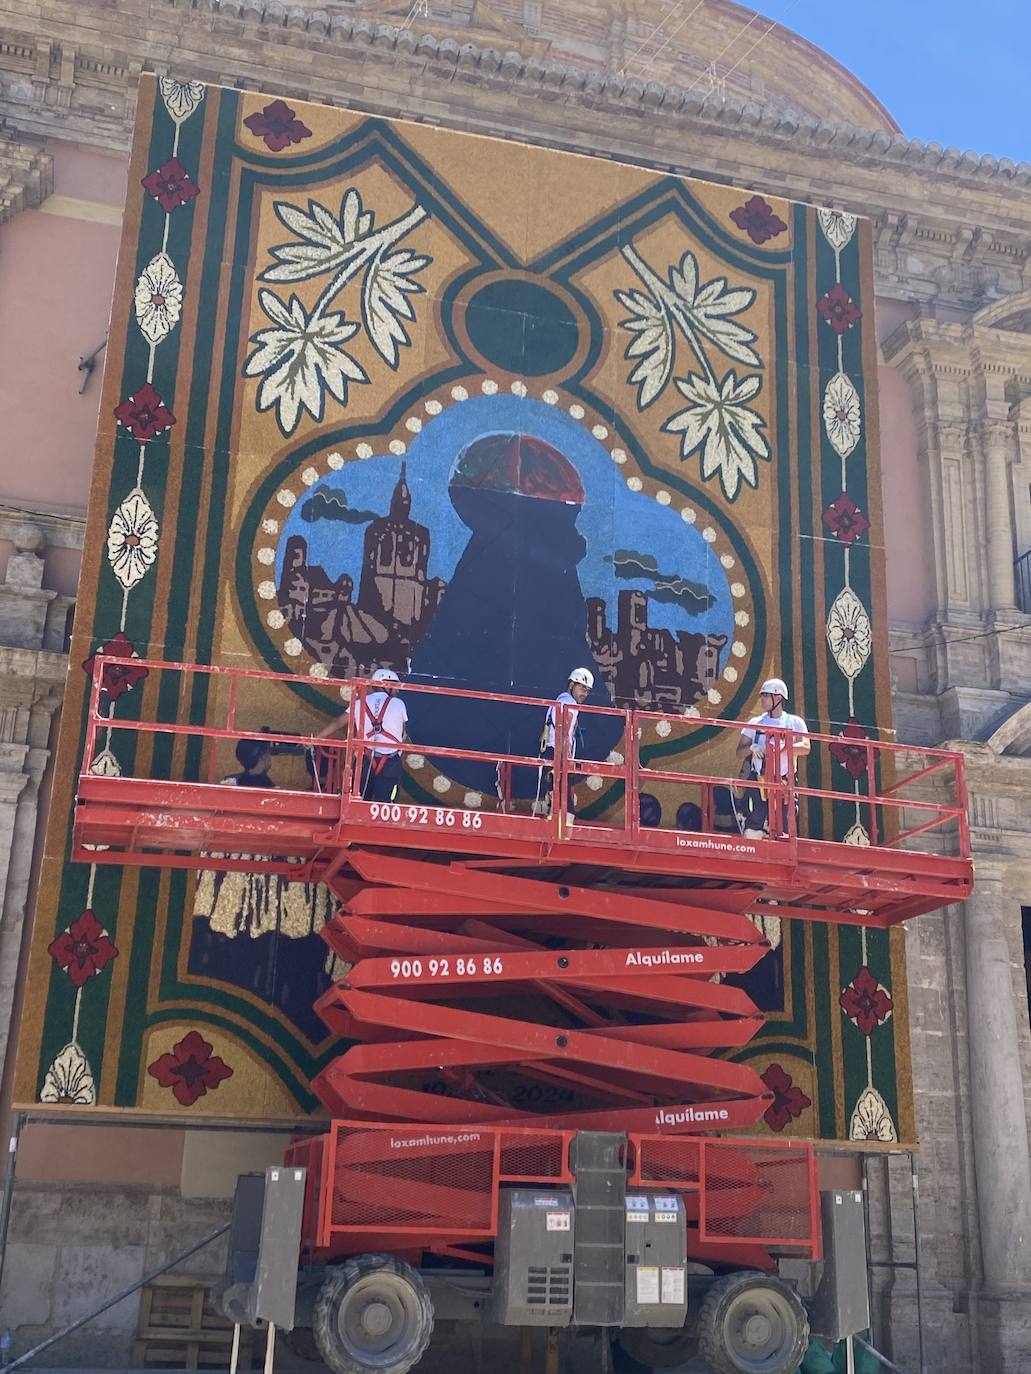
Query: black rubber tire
x=398, y=1290
x=301, y=1343
x=658, y=1347
x=732, y=1301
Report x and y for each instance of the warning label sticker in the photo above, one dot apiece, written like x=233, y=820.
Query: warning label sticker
x=558, y=1221
x=673, y=1285
x=647, y=1283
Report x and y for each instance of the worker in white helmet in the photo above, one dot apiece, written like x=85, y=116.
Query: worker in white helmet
x=752, y=750
x=581, y=680
x=382, y=722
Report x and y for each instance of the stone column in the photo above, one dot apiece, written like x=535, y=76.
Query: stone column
x=997, y=444
x=998, y=1123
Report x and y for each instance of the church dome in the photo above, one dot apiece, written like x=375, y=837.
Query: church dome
x=520, y=465
x=713, y=46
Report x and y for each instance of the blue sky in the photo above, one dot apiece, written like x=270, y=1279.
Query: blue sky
x=947, y=71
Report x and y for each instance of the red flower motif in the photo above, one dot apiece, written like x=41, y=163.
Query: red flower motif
x=838, y=309
x=789, y=1101
x=757, y=218
x=171, y=185
x=145, y=414
x=119, y=677
x=866, y=1002
x=190, y=1070
x=83, y=950
x=852, y=756
x=845, y=520
x=278, y=125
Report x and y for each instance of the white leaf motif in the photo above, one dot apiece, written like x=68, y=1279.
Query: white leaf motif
x=105, y=765
x=652, y=348
x=385, y=301
x=300, y=359
x=181, y=97
x=871, y=1119
x=724, y=427
x=69, y=1079
x=132, y=539
x=849, y=633
x=838, y=227
x=842, y=417
x=159, y=298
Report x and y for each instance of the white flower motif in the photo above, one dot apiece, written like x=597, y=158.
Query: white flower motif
x=709, y=534
x=737, y=589
x=727, y=560
x=397, y=447
x=770, y=926
x=838, y=227
x=730, y=673
x=615, y=757
x=619, y=456
x=433, y=407
x=275, y=620
x=849, y=633
x=318, y=670
x=69, y=1079
x=871, y=1119
x=270, y=526
x=285, y=497
x=413, y=424
x=416, y=761
x=310, y=476
x=335, y=461
x=595, y=783
x=634, y=483
x=518, y=389
x=300, y=359
x=345, y=692
x=663, y=729
x=663, y=497
x=742, y=618
x=266, y=590
x=577, y=411
x=842, y=416
x=363, y=450
x=689, y=515
x=181, y=97
x=738, y=649
x=473, y=799
x=440, y=783
x=159, y=298
x=132, y=539
x=856, y=834
x=721, y=424
x=693, y=712
x=713, y=696
x=266, y=556
x=292, y=647
x=550, y=398
x=459, y=393
x=489, y=386
x=599, y=431
x=105, y=765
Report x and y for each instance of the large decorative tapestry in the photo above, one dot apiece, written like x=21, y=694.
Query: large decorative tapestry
x=383, y=395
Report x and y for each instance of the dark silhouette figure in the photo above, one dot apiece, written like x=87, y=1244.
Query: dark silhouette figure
x=513, y=617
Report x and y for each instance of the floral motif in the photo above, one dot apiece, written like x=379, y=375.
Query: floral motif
x=122, y=675
x=758, y=220
x=857, y=834
x=159, y=298
x=697, y=311
x=299, y=360
x=83, y=950
x=728, y=432
x=853, y=757
x=838, y=227
x=105, y=765
x=842, y=414
x=190, y=1069
x=789, y=1101
x=845, y=520
x=171, y=185
x=871, y=1119
x=181, y=97
x=278, y=126
x=69, y=1080
x=866, y=1002
x=849, y=633
x=144, y=414
x=132, y=539
x=838, y=309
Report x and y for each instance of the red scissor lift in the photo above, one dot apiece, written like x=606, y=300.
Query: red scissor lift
x=533, y=1001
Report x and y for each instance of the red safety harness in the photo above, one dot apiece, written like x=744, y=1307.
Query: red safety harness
x=377, y=759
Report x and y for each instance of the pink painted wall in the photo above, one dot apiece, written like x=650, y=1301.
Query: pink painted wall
x=907, y=534
x=56, y=279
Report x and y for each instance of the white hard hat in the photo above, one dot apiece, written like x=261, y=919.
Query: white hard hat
x=385, y=675
x=775, y=685
x=583, y=676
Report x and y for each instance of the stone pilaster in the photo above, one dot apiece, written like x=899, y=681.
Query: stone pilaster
x=997, y=439
x=998, y=1122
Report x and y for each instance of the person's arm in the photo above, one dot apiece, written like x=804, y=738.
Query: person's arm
x=800, y=741
x=334, y=726
x=744, y=744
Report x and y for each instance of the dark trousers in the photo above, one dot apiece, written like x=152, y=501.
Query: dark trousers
x=381, y=777
x=548, y=783
x=756, y=809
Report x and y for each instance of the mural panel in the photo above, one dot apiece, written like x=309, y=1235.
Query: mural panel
x=380, y=395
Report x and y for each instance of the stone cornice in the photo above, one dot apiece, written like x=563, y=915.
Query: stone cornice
x=26, y=172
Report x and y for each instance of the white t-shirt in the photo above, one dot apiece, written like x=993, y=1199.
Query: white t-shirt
x=564, y=699
x=784, y=721
x=392, y=715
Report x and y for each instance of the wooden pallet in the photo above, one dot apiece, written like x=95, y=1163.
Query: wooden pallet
x=180, y=1328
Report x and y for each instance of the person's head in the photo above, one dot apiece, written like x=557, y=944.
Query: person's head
x=772, y=695
x=254, y=755
x=387, y=681
x=581, y=680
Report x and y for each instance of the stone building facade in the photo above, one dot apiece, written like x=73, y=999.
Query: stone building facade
x=953, y=262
